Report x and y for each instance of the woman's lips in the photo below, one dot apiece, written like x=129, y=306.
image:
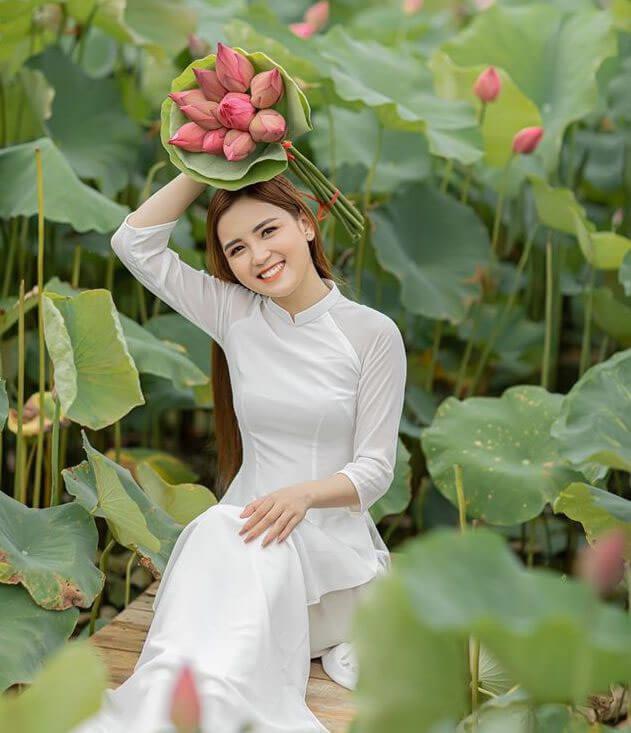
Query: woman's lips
x=275, y=276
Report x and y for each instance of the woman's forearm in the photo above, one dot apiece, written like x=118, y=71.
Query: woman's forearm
x=167, y=203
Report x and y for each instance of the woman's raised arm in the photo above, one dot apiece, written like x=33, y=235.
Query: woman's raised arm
x=141, y=243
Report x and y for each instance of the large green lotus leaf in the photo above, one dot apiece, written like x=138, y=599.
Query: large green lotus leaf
x=162, y=358
x=511, y=465
x=612, y=315
x=161, y=27
x=50, y=551
x=404, y=156
x=436, y=282
x=536, y=45
x=509, y=113
x=66, y=198
x=27, y=100
x=597, y=510
x=170, y=468
x=426, y=681
x=594, y=423
x=28, y=634
x=557, y=208
x=603, y=250
x=67, y=691
x=82, y=482
x=22, y=35
x=398, y=496
x=182, y=502
x=267, y=160
x=95, y=375
x=401, y=91
x=553, y=635
x=83, y=108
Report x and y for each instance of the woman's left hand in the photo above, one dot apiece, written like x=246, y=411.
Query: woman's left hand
x=281, y=510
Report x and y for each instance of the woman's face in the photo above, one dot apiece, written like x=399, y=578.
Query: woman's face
x=256, y=235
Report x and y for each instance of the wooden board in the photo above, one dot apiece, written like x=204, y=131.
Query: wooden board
x=119, y=644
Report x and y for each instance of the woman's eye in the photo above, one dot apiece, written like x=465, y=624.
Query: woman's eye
x=268, y=229
x=235, y=249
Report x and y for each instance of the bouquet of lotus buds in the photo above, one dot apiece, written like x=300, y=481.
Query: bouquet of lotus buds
x=229, y=121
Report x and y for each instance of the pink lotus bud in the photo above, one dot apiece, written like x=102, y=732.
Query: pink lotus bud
x=317, y=15
x=602, y=564
x=191, y=96
x=302, y=30
x=237, y=145
x=185, y=710
x=411, y=7
x=236, y=111
x=268, y=126
x=267, y=88
x=527, y=139
x=234, y=70
x=189, y=137
x=617, y=218
x=483, y=4
x=210, y=85
x=213, y=141
x=205, y=117
x=488, y=85
x=197, y=47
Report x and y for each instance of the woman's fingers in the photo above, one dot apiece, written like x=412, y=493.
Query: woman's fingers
x=288, y=528
x=279, y=525
x=260, y=525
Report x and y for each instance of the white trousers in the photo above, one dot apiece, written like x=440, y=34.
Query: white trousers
x=237, y=613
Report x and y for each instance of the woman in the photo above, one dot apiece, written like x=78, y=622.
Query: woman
x=308, y=389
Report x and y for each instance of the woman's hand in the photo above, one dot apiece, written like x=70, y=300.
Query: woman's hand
x=281, y=510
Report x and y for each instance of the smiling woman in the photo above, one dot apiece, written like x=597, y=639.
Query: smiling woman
x=308, y=394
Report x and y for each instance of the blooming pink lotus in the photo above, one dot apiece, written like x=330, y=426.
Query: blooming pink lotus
x=236, y=111
x=317, y=15
x=527, y=140
x=267, y=89
x=185, y=709
x=488, y=85
x=238, y=144
x=302, y=30
x=234, y=70
x=189, y=137
x=210, y=85
x=268, y=126
x=602, y=564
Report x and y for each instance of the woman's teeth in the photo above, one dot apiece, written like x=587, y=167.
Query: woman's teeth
x=273, y=271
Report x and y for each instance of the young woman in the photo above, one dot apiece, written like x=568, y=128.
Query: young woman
x=308, y=388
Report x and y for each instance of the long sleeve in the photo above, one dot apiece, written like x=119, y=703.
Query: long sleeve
x=379, y=407
x=198, y=296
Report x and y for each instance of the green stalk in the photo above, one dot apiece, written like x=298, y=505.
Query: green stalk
x=103, y=568
x=462, y=371
x=438, y=332
x=547, y=347
x=586, y=341
x=499, y=206
x=128, y=568
x=8, y=267
x=449, y=167
x=55, y=500
x=462, y=511
x=142, y=303
x=40, y=326
x=146, y=189
x=76, y=266
x=118, y=440
x=19, y=440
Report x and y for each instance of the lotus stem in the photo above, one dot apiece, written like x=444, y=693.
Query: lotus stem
x=449, y=167
x=547, y=347
x=18, y=492
x=500, y=206
x=146, y=189
x=586, y=341
x=128, y=568
x=12, y=245
x=462, y=371
x=40, y=327
x=76, y=267
x=103, y=568
x=475, y=672
x=438, y=332
x=55, y=499
x=462, y=511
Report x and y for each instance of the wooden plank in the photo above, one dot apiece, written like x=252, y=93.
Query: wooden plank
x=120, y=642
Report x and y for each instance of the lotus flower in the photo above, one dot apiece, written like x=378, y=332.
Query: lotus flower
x=185, y=709
x=207, y=118
x=302, y=30
x=213, y=141
x=234, y=71
x=237, y=145
x=266, y=89
x=236, y=111
x=317, y=16
x=197, y=46
x=527, y=140
x=488, y=85
x=210, y=85
x=189, y=137
x=268, y=126
x=192, y=96
x=602, y=564
x=411, y=7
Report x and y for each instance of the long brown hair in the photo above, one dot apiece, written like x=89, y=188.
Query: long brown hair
x=281, y=192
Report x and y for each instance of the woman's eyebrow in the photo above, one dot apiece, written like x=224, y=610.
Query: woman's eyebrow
x=256, y=228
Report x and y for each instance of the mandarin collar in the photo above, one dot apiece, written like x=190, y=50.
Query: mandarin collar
x=310, y=313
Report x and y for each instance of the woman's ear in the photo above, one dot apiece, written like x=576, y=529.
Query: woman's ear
x=307, y=227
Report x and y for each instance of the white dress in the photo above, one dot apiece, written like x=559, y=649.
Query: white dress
x=313, y=396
